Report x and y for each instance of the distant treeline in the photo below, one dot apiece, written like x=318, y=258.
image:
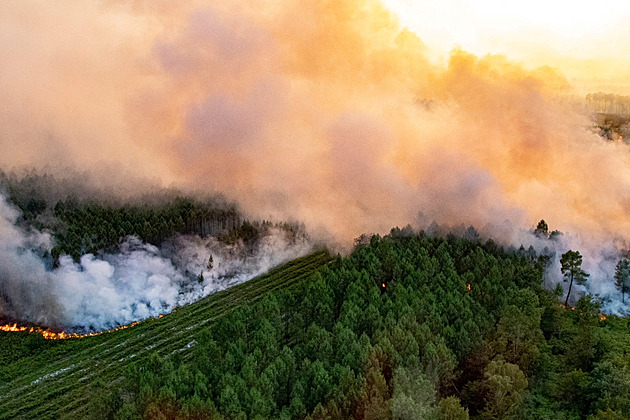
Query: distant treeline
x=407, y=327
x=607, y=103
x=84, y=221
x=613, y=126
x=93, y=228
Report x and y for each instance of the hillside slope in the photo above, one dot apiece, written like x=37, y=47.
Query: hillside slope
x=406, y=327
x=53, y=381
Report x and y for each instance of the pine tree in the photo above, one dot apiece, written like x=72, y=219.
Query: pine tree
x=622, y=277
x=571, y=262
x=542, y=229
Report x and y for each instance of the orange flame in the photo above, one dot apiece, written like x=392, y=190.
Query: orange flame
x=13, y=328
x=50, y=335
x=468, y=286
x=602, y=317
x=383, y=284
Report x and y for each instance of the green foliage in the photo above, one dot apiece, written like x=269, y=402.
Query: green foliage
x=542, y=229
x=571, y=267
x=459, y=330
x=413, y=396
x=357, y=348
x=92, y=227
x=54, y=380
x=622, y=277
x=451, y=409
x=104, y=403
x=504, y=386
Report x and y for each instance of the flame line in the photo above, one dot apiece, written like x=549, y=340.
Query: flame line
x=50, y=335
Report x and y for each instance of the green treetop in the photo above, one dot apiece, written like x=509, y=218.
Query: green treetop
x=622, y=277
x=571, y=262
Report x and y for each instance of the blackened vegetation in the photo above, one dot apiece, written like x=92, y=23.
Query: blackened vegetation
x=613, y=126
x=408, y=326
x=612, y=115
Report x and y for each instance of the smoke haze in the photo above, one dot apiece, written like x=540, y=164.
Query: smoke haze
x=326, y=112
x=322, y=111
x=116, y=289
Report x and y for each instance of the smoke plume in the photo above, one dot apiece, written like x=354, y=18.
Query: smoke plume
x=321, y=111
x=116, y=289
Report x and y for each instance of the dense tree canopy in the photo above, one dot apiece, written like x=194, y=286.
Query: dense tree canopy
x=571, y=266
x=407, y=327
x=622, y=277
x=542, y=229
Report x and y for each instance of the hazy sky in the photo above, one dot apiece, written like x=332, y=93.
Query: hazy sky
x=586, y=40
x=328, y=112
x=324, y=111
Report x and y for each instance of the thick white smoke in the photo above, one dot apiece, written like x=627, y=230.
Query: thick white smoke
x=599, y=258
x=115, y=289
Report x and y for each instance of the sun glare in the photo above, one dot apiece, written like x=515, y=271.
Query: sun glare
x=532, y=32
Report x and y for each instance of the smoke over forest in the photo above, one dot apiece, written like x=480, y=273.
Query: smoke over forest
x=137, y=281
x=325, y=112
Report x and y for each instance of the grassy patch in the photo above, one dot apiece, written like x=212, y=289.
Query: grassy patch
x=50, y=379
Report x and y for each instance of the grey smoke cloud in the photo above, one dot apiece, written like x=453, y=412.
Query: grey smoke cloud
x=115, y=289
x=324, y=111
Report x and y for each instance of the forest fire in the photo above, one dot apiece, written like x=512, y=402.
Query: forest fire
x=51, y=335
